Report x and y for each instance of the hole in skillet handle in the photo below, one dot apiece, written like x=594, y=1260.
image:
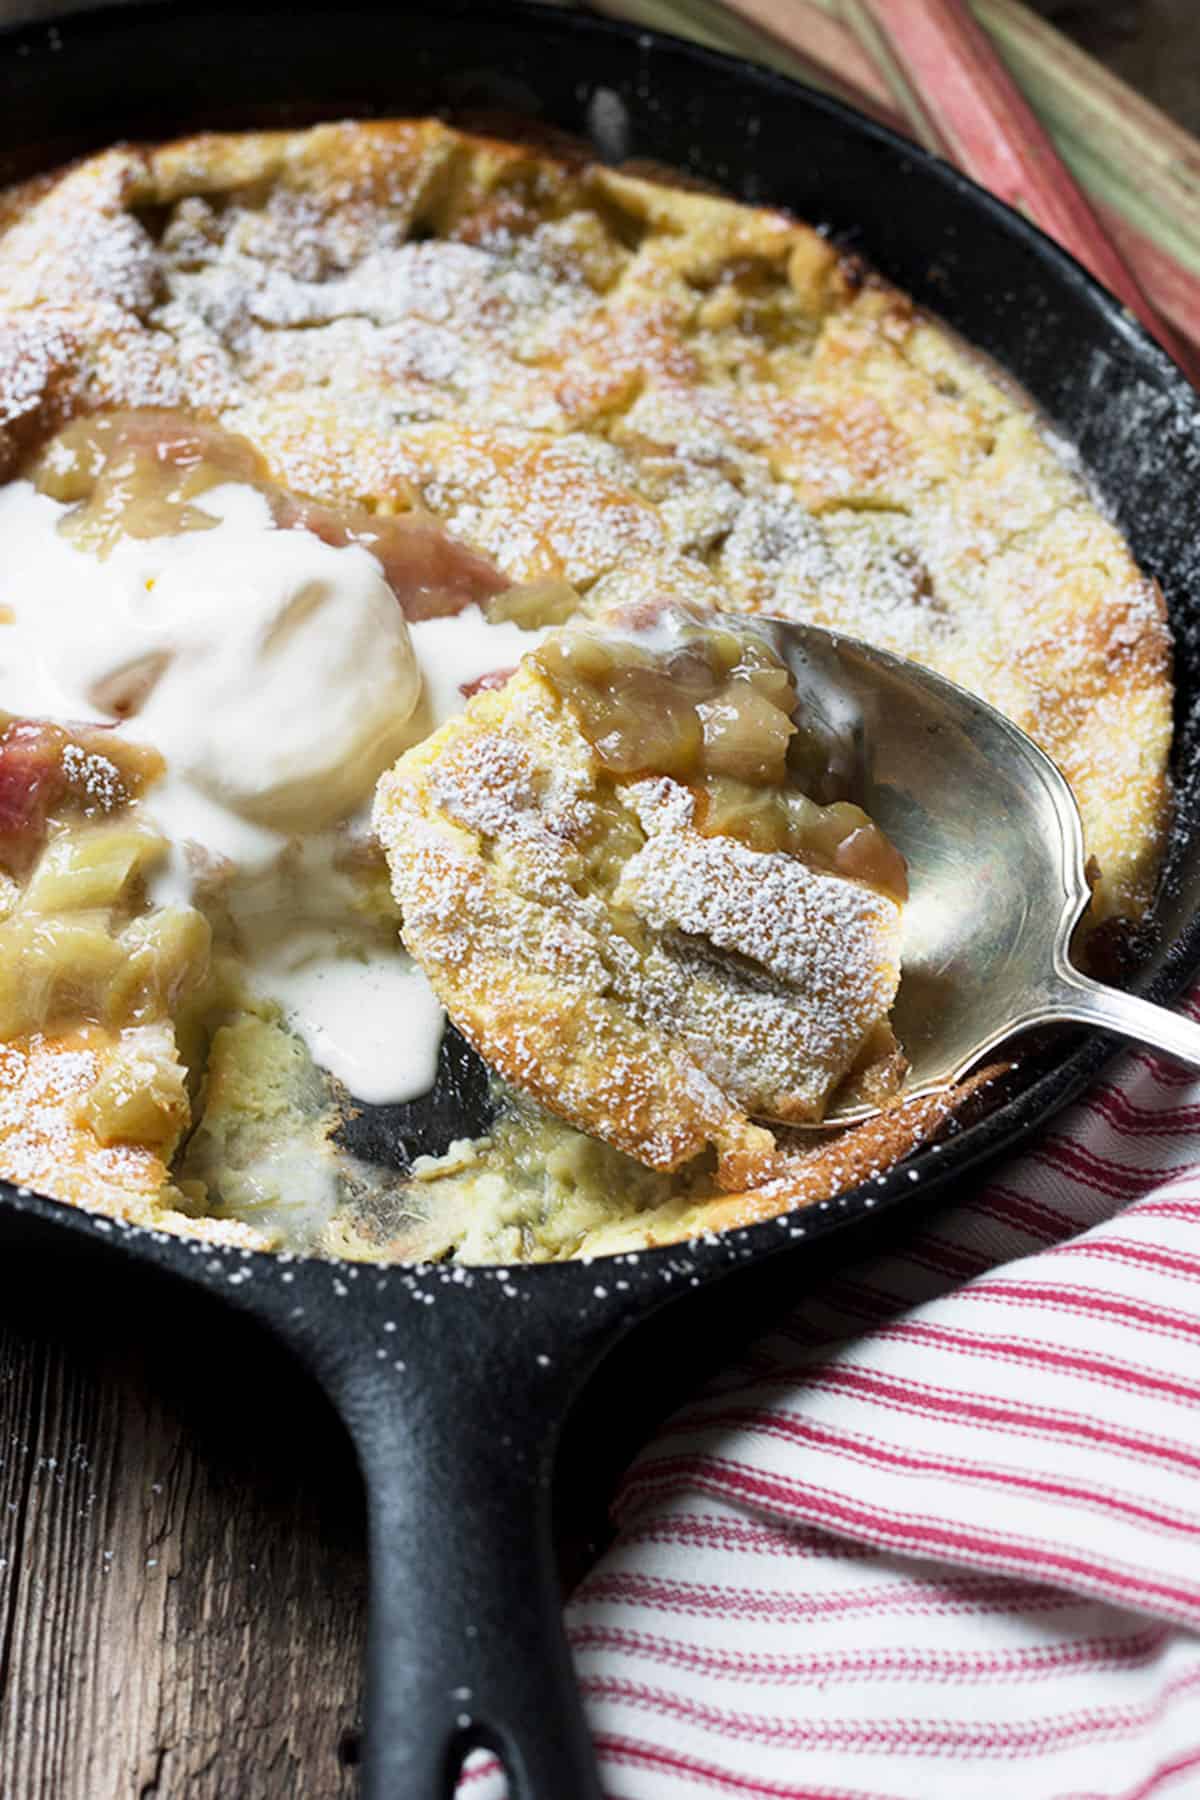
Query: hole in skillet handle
x=461, y=1103
x=472, y=1756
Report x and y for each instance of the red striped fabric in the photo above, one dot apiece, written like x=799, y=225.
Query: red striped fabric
x=939, y=1534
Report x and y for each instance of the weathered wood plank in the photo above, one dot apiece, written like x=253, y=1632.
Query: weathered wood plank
x=181, y=1568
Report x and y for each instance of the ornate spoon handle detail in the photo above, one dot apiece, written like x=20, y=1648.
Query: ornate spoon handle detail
x=1083, y=1002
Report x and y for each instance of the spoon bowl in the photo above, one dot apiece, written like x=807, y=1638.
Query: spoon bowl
x=996, y=863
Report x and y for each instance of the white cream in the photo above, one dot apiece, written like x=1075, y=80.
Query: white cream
x=279, y=668
x=277, y=676
x=373, y=1021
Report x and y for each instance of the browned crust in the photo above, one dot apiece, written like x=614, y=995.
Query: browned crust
x=48, y=1146
x=844, y=1160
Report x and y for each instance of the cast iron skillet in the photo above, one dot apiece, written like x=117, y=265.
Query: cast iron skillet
x=454, y=1385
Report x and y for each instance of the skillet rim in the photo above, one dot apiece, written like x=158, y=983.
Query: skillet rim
x=1014, y=1122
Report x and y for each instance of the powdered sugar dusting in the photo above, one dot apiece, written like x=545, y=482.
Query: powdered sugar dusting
x=568, y=401
x=757, y=978
x=808, y=930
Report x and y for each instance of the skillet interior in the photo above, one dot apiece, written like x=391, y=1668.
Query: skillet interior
x=1098, y=377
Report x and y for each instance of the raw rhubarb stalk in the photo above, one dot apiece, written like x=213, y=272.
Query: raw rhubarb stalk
x=918, y=117
x=1111, y=135
x=1121, y=148
x=1175, y=290
x=987, y=127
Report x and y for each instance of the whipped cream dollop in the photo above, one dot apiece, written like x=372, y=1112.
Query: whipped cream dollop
x=277, y=676
x=273, y=671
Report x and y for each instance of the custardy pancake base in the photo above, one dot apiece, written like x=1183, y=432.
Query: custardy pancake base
x=643, y=391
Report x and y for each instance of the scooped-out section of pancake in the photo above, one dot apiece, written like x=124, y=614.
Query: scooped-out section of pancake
x=659, y=958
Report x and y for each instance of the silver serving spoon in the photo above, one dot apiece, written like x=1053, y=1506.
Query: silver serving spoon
x=994, y=846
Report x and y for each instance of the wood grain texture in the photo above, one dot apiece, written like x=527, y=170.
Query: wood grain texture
x=181, y=1562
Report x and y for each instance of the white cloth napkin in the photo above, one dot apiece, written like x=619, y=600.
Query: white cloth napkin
x=939, y=1536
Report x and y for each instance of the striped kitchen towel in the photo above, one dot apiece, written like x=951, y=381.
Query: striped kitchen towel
x=938, y=1537
x=940, y=1534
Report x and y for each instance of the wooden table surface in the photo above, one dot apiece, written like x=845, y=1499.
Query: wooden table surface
x=181, y=1538
x=181, y=1551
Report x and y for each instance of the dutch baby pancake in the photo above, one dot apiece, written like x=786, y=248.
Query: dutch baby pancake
x=334, y=466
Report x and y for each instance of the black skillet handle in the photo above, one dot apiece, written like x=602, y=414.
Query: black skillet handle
x=454, y=1395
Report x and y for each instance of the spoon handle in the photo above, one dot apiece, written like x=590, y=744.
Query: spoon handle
x=1087, y=1002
